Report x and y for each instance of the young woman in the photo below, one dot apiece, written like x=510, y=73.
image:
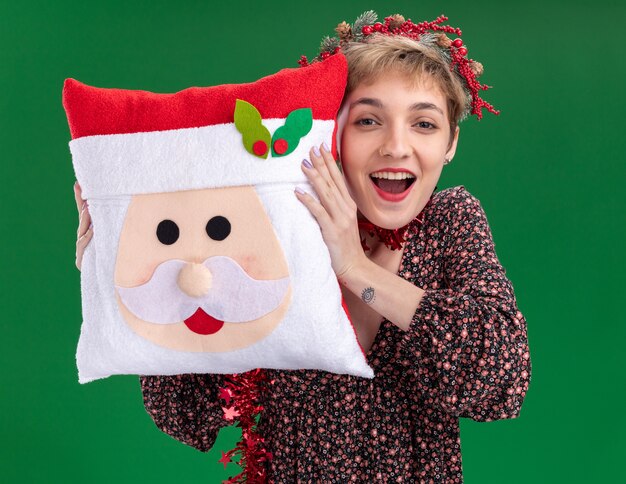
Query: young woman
x=430, y=302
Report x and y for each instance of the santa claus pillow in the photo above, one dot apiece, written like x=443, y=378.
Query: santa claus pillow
x=202, y=259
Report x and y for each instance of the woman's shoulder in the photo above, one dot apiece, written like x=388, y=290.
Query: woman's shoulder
x=453, y=201
x=457, y=213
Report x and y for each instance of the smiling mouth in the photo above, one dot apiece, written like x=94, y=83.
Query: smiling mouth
x=203, y=323
x=400, y=182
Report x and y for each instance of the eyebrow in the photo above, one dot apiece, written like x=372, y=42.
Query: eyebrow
x=420, y=106
x=368, y=101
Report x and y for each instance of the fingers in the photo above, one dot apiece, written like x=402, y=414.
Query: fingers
x=78, y=196
x=81, y=244
x=315, y=207
x=326, y=187
x=334, y=212
x=84, y=222
x=335, y=174
x=84, y=233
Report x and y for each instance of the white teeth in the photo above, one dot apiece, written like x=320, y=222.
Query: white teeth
x=392, y=176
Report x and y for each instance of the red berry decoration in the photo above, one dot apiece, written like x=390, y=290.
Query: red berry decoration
x=396, y=25
x=280, y=146
x=259, y=148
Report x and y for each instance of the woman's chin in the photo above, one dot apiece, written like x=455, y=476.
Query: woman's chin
x=393, y=215
x=390, y=218
x=393, y=210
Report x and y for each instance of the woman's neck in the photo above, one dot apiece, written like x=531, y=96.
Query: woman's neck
x=392, y=239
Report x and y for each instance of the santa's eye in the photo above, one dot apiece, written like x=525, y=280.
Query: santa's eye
x=218, y=228
x=167, y=232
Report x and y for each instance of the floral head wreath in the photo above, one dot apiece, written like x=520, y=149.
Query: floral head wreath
x=430, y=34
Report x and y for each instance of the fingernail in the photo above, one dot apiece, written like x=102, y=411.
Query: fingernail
x=84, y=205
x=316, y=151
x=300, y=190
x=90, y=226
x=325, y=146
x=306, y=163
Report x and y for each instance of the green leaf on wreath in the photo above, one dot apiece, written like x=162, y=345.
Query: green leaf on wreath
x=287, y=137
x=256, y=137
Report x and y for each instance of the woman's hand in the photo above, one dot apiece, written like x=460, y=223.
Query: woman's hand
x=85, y=229
x=335, y=212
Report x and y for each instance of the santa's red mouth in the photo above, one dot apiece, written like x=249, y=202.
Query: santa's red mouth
x=203, y=323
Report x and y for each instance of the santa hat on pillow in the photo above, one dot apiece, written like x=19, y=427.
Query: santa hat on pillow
x=230, y=135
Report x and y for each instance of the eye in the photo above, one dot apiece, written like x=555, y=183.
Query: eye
x=167, y=232
x=425, y=125
x=218, y=228
x=366, y=122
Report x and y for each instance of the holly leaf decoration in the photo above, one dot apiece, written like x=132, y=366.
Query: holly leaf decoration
x=248, y=121
x=286, y=138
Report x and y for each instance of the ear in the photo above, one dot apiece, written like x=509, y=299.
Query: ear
x=452, y=145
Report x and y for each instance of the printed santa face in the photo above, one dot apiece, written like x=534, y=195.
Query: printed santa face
x=201, y=270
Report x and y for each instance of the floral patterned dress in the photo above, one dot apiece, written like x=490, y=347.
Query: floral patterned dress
x=465, y=354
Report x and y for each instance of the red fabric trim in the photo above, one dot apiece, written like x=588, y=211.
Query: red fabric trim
x=95, y=111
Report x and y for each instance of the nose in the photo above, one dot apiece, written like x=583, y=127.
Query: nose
x=396, y=143
x=195, y=279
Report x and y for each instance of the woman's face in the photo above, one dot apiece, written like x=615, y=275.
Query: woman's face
x=393, y=146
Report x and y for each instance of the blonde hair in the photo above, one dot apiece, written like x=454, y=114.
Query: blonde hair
x=381, y=54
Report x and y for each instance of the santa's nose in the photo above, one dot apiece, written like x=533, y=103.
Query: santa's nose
x=195, y=279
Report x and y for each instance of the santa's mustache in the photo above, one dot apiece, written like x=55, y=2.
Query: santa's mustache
x=234, y=296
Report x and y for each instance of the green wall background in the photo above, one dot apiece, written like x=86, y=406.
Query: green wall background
x=549, y=172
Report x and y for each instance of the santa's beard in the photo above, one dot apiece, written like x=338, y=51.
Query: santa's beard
x=234, y=296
